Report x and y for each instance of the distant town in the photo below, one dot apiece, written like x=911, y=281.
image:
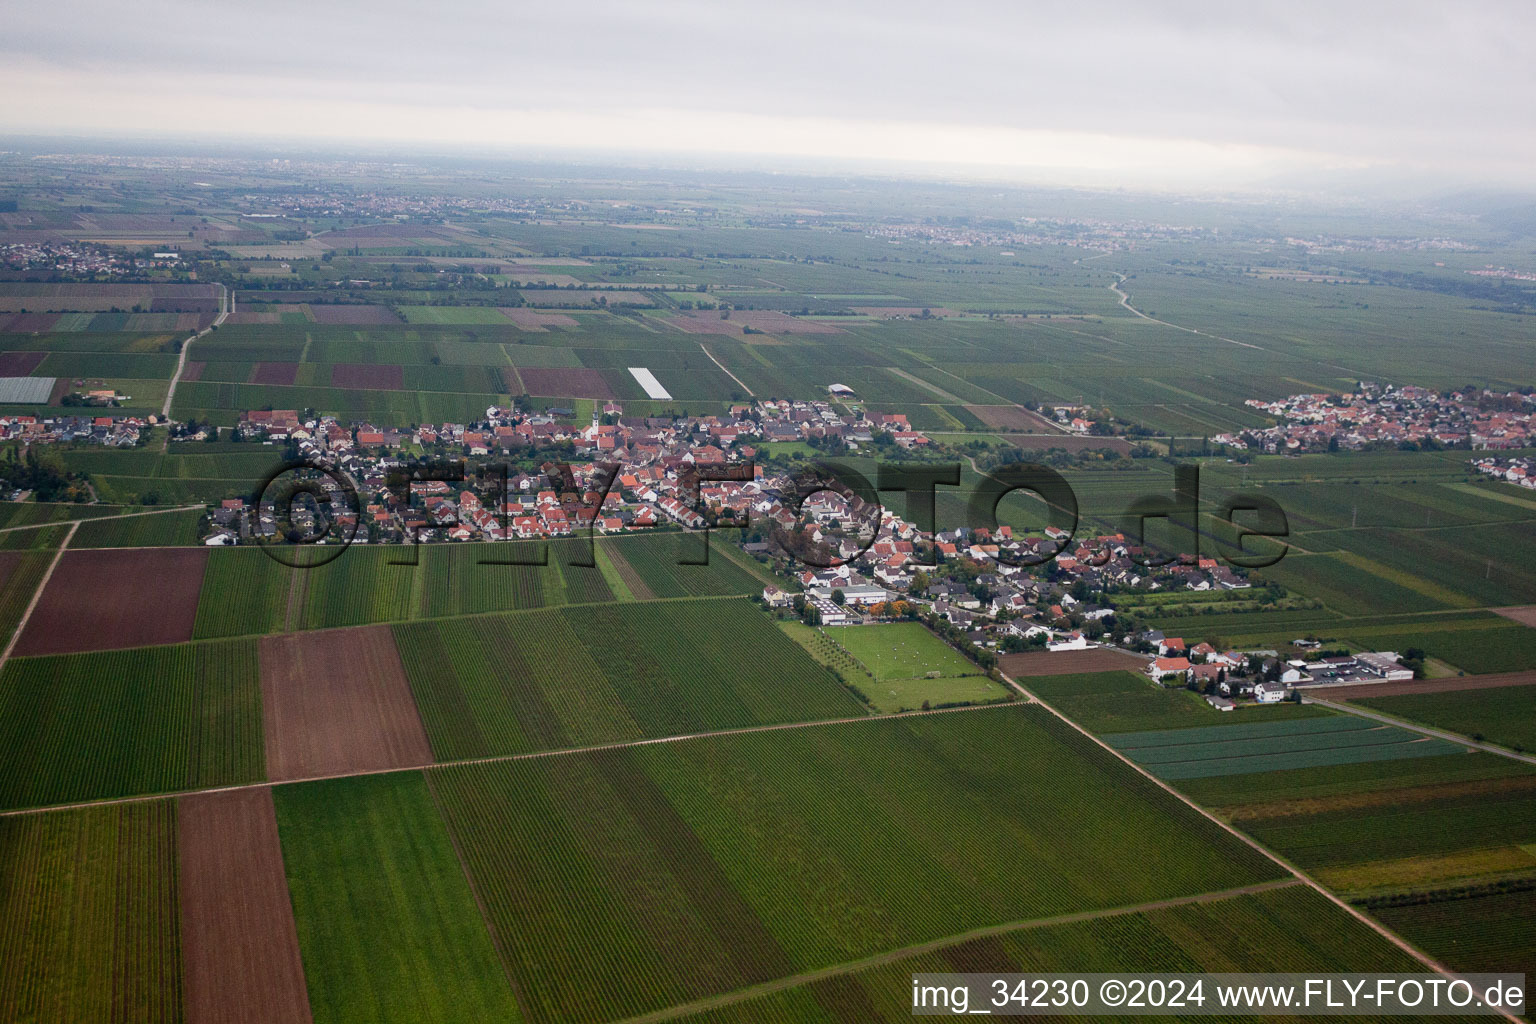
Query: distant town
x=1384, y=415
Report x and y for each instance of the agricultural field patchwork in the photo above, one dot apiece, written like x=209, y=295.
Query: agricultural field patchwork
x=690, y=869
x=1505, y=715
x=108, y=724
x=91, y=897
x=1127, y=702
x=1285, y=929
x=386, y=922
x=1262, y=746
x=497, y=685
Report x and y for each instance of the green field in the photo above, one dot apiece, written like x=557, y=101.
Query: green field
x=648, y=876
x=246, y=592
x=1472, y=932
x=1505, y=715
x=1416, y=823
x=1125, y=702
x=91, y=930
x=655, y=563
x=1351, y=780
x=908, y=667
x=902, y=650
x=1290, y=929
x=18, y=579
x=387, y=925
x=605, y=674
x=116, y=723
x=1272, y=746
x=159, y=530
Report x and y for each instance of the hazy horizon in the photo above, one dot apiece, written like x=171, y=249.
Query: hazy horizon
x=1192, y=97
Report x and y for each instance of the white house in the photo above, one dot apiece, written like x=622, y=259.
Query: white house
x=1070, y=642
x=1270, y=693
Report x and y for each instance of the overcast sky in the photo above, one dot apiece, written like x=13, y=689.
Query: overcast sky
x=1185, y=94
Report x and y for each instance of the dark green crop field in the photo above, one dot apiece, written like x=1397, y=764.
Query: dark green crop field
x=1504, y=714
x=387, y=924
x=1290, y=929
x=583, y=676
x=118, y=723
x=639, y=878
x=1125, y=702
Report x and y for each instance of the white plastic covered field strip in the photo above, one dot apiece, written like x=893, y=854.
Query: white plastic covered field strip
x=648, y=381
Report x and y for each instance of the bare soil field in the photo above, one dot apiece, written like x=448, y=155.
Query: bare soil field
x=771, y=321
x=532, y=320
x=242, y=317
x=1523, y=614
x=193, y=370
x=27, y=323
x=107, y=599
x=1013, y=417
x=360, y=315
x=1067, y=442
x=274, y=373
x=19, y=364
x=1062, y=663
x=335, y=702
x=240, y=949
x=1448, y=684
x=368, y=376
x=566, y=383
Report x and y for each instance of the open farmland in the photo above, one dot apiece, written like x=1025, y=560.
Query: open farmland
x=1505, y=715
x=20, y=572
x=1125, y=702
x=1270, y=746
x=1057, y=663
x=1284, y=929
x=155, y=529
x=565, y=383
x=243, y=592
x=690, y=869
x=99, y=600
x=90, y=915
x=337, y=702
x=662, y=565
x=605, y=674
x=1475, y=928
x=387, y=925
x=117, y=723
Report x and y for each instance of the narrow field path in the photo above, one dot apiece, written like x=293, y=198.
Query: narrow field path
x=97, y=519
x=37, y=594
x=1423, y=730
x=501, y=758
x=728, y=373
x=226, y=307
x=1125, y=300
x=1370, y=922
x=991, y=931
